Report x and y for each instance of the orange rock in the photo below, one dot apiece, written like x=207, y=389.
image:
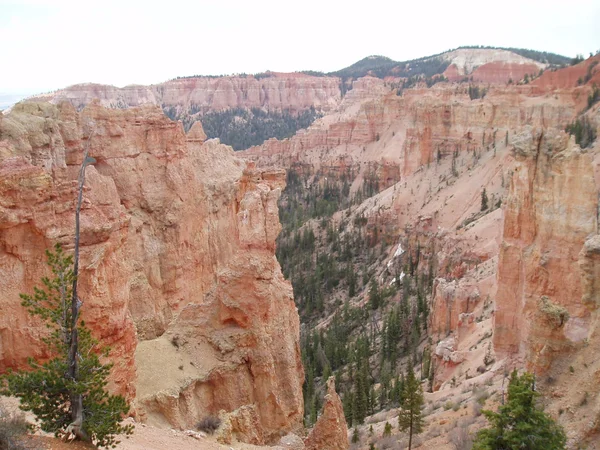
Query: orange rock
x=177, y=273
x=550, y=211
x=196, y=133
x=331, y=431
x=502, y=72
x=294, y=92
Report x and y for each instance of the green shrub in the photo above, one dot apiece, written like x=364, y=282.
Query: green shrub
x=209, y=424
x=48, y=389
x=555, y=314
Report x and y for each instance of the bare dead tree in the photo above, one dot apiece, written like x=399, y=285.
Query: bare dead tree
x=76, y=427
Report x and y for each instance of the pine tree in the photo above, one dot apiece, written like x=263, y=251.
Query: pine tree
x=48, y=390
x=361, y=394
x=374, y=295
x=484, y=200
x=387, y=429
x=520, y=423
x=410, y=416
x=351, y=281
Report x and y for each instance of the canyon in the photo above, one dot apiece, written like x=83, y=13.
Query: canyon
x=512, y=282
x=179, y=238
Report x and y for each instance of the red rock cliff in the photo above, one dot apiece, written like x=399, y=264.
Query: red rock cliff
x=178, y=273
x=550, y=211
x=293, y=92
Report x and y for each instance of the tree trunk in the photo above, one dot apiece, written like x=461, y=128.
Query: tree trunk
x=76, y=426
x=410, y=432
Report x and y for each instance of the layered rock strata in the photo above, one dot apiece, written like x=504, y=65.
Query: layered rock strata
x=178, y=273
x=550, y=213
x=276, y=92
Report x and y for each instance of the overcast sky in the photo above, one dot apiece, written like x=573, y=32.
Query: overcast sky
x=47, y=45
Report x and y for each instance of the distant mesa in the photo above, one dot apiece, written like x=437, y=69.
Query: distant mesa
x=246, y=110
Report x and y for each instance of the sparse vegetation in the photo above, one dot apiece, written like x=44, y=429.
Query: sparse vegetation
x=555, y=314
x=209, y=424
x=13, y=427
x=583, y=130
x=460, y=437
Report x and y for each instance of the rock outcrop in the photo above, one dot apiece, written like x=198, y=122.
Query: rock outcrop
x=274, y=92
x=547, y=303
x=550, y=212
x=404, y=133
x=177, y=273
x=331, y=431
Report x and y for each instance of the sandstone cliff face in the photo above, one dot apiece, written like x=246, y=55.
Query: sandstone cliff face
x=401, y=134
x=547, y=303
x=178, y=273
x=550, y=211
x=570, y=77
x=292, y=92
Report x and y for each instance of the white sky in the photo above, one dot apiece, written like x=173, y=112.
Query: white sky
x=46, y=45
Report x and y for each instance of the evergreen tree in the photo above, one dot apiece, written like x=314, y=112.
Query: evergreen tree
x=400, y=389
x=351, y=281
x=425, y=363
x=431, y=377
x=484, y=200
x=361, y=394
x=410, y=416
x=48, y=390
x=520, y=423
x=387, y=429
x=374, y=295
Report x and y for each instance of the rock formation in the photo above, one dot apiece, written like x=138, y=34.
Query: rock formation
x=330, y=432
x=550, y=212
x=489, y=65
x=274, y=92
x=404, y=133
x=177, y=273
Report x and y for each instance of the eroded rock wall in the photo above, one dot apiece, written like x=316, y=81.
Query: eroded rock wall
x=550, y=211
x=401, y=134
x=178, y=273
x=292, y=92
